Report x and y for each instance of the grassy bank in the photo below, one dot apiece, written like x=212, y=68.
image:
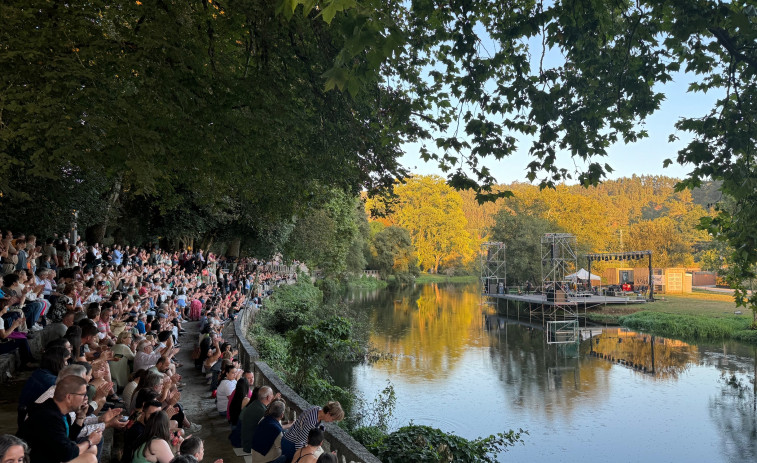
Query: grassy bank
x=436, y=278
x=690, y=317
x=366, y=282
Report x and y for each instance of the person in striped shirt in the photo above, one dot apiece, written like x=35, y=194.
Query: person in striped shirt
x=297, y=435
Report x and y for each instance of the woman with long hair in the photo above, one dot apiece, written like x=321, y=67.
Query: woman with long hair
x=154, y=446
x=73, y=334
x=239, y=399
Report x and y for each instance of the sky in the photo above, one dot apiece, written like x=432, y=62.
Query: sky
x=644, y=157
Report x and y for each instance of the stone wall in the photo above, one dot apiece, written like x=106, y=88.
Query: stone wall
x=348, y=449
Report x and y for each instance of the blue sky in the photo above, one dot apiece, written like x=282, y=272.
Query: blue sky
x=641, y=158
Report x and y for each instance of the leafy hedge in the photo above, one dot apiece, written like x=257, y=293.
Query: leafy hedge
x=413, y=444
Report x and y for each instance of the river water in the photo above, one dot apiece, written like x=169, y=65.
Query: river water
x=458, y=366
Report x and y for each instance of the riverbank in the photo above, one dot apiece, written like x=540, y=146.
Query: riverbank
x=437, y=278
x=689, y=317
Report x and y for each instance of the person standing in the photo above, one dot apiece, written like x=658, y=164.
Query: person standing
x=297, y=436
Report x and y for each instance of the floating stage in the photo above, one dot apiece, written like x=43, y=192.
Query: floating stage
x=575, y=301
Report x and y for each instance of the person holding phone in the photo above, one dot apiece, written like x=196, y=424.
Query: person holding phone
x=10, y=342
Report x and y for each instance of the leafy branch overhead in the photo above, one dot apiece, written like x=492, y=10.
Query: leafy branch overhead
x=483, y=79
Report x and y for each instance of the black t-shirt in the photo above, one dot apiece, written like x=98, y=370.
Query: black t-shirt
x=130, y=438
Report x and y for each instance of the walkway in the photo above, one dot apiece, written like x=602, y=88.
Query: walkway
x=200, y=407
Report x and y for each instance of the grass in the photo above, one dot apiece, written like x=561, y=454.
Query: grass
x=366, y=282
x=436, y=278
x=690, y=317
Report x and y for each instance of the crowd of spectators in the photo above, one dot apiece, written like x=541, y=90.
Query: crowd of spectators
x=110, y=320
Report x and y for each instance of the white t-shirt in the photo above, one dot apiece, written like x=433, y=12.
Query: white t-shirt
x=224, y=390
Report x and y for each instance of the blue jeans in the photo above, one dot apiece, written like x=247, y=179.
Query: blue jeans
x=32, y=311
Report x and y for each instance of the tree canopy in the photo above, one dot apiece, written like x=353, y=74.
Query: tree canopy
x=484, y=78
x=201, y=118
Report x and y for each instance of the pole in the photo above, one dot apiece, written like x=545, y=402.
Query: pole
x=651, y=281
x=589, y=264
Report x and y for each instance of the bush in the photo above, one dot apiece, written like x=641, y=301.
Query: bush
x=369, y=436
x=290, y=307
x=331, y=287
x=272, y=348
x=411, y=444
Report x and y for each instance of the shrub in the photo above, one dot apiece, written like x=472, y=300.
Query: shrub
x=331, y=287
x=290, y=307
x=272, y=348
x=411, y=444
x=369, y=436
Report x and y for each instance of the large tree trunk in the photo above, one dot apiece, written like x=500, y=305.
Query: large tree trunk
x=96, y=233
x=234, y=246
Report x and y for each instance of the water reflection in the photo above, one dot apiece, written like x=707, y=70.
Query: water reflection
x=426, y=328
x=617, y=392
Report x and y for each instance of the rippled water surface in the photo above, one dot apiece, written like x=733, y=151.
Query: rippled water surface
x=460, y=367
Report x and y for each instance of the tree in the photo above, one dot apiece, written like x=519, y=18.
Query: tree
x=432, y=212
x=661, y=236
x=521, y=229
x=480, y=69
x=394, y=254
x=324, y=237
x=182, y=105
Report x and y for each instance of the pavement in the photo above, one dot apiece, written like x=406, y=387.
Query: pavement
x=715, y=289
x=198, y=404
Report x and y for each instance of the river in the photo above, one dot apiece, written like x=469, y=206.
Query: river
x=458, y=366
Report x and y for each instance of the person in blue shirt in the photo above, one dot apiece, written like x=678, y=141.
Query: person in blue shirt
x=117, y=256
x=140, y=326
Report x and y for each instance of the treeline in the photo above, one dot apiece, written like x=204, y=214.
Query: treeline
x=181, y=122
x=447, y=227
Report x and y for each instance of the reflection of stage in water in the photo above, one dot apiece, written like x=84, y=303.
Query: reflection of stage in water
x=657, y=356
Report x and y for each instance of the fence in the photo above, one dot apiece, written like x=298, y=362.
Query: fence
x=348, y=449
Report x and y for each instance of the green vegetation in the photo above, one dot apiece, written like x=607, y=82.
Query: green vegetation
x=686, y=327
x=689, y=317
x=431, y=278
x=414, y=443
x=187, y=121
x=366, y=282
x=298, y=336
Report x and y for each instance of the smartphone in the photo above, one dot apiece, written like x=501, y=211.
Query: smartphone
x=123, y=419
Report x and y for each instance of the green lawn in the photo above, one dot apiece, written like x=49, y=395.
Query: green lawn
x=689, y=317
x=711, y=305
x=429, y=278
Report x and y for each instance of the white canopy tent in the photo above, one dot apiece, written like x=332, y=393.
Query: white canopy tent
x=581, y=275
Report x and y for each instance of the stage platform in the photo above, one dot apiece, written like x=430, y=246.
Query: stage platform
x=573, y=301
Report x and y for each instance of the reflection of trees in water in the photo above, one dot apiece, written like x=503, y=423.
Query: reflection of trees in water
x=427, y=329
x=665, y=358
x=544, y=377
x=734, y=410
x=537, y=376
